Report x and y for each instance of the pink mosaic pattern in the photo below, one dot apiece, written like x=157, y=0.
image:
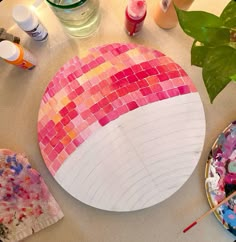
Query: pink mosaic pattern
x=87, y=94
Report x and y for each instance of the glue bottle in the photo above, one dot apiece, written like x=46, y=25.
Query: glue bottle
x=17, y=55
x=29, y=22
x=135, y=14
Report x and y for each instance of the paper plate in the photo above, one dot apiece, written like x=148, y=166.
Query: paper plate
x=26, y=204
x=122, y=128
x=221, y=177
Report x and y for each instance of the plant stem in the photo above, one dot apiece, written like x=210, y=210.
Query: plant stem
x=233, y=35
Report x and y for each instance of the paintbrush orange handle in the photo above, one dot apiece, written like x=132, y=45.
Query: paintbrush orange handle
x=209, y=211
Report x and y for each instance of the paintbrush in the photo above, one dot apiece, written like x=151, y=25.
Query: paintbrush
x=209, y=212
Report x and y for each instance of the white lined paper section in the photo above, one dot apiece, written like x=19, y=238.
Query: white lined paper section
x=139, y=159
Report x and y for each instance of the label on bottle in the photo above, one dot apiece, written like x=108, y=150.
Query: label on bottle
x=133, y=28
x=39, y=33
x=27, y=60
x=165, y=5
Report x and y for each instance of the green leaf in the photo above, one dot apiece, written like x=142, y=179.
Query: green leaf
x=219, y=65
x=198, y=54
x=197, y=18
x=233, y=78
x=214, y=36
x=228, y=16
x=204, y=27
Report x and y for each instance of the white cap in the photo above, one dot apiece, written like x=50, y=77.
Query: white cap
x=37, y=3
x=8, y=50
x=24, y=17
x=137, y=8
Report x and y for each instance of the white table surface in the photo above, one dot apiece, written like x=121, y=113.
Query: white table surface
x=20, y=96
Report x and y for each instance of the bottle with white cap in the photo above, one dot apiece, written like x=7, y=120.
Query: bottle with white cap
x=17, y=55
x=29, y=22
x=135, y=14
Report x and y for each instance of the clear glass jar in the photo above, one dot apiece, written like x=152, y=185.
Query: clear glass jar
x=81, y=18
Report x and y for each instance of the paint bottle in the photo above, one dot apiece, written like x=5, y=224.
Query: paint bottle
x=165, y=15
x=17, y=55
x=29, y=22
x=134, y=16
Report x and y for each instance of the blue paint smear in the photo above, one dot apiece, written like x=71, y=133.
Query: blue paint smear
x=230, y=221
x=16, y=188
x=18, y=168
x=8, y=159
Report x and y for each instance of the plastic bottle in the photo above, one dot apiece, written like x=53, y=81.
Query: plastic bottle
x=29, y=22
x=15, y=54
x=135, y=14
x=165, y=15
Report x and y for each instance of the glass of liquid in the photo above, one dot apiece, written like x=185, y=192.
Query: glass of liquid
x=81, y=18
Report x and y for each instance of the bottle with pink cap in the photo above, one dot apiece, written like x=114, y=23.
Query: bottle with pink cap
x=135, y=14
